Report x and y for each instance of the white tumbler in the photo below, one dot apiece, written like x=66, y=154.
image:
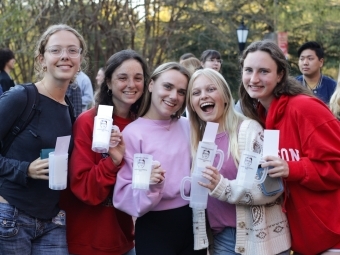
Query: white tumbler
x=57, y=171
x=102, y=129
x=141, y=173
x=198, y=194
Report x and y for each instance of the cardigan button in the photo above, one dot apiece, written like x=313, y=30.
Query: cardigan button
x=241, y=224
x=241, y=249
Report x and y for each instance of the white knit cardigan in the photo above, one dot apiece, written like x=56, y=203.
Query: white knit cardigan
x=261, y=226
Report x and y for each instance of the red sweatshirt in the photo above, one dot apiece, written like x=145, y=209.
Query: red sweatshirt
x=310, y=142
x=94, y=226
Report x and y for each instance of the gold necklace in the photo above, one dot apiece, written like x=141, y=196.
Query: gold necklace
x=167, y=128
x=60, y=102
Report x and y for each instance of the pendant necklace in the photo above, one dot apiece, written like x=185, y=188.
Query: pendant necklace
x=160, y=125
x=60, y=102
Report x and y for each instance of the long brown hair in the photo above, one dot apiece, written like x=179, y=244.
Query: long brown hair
x=115, y=61
x=287, y=86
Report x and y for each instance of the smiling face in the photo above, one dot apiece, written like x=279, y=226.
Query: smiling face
x=207, y=100
x=309, y=63
x=260, y=77
x=127, y=83
x=63, y=67
x=167, y=94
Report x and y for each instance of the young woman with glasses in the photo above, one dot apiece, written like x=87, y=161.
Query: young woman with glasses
x=32, y=222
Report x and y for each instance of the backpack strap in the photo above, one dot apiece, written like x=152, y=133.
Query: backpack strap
x=24, y=119
x=27, y=115
x=70, y=109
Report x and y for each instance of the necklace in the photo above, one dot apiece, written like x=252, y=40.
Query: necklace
x=159, y=124
x=60, y=102
x=309, y=87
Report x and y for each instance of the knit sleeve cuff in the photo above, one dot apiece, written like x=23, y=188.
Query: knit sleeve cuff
x=220, y=188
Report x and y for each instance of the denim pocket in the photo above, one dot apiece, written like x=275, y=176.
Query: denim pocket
x=8, y=225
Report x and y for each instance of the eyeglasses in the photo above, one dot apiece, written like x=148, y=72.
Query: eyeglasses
x=57, y=51
x=215, y=60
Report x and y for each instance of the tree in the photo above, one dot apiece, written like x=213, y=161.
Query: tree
x=163, y=30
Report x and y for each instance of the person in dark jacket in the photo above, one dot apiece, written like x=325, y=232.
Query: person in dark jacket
x=311, y=60
x=31, y=220
x=7, y=62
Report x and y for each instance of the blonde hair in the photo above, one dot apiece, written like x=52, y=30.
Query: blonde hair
x=192, y=64
x=334, y=103
x=231, y=118
x=41, y=44
x=146, y=101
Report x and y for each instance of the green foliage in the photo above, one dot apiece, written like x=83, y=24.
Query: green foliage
x=164, y=30
x=312, y=20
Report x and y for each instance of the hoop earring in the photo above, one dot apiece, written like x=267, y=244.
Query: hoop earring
x=109, y=92
x=44, y=69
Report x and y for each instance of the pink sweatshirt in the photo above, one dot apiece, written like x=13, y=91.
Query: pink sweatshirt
x=171, y=148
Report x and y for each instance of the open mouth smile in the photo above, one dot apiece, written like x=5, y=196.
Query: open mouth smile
x=207, y=107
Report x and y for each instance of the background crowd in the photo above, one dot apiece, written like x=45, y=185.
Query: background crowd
x=148, y=107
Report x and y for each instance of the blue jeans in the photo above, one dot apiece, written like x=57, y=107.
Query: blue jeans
x=23, y=234
x=224, y=242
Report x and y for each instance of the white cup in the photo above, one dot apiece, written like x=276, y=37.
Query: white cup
x=57, y=165
x=205, y=156
x=141, y=173
x=198, y=194
x=102, y=129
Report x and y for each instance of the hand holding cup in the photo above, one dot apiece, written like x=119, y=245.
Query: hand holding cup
x=157, y=173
